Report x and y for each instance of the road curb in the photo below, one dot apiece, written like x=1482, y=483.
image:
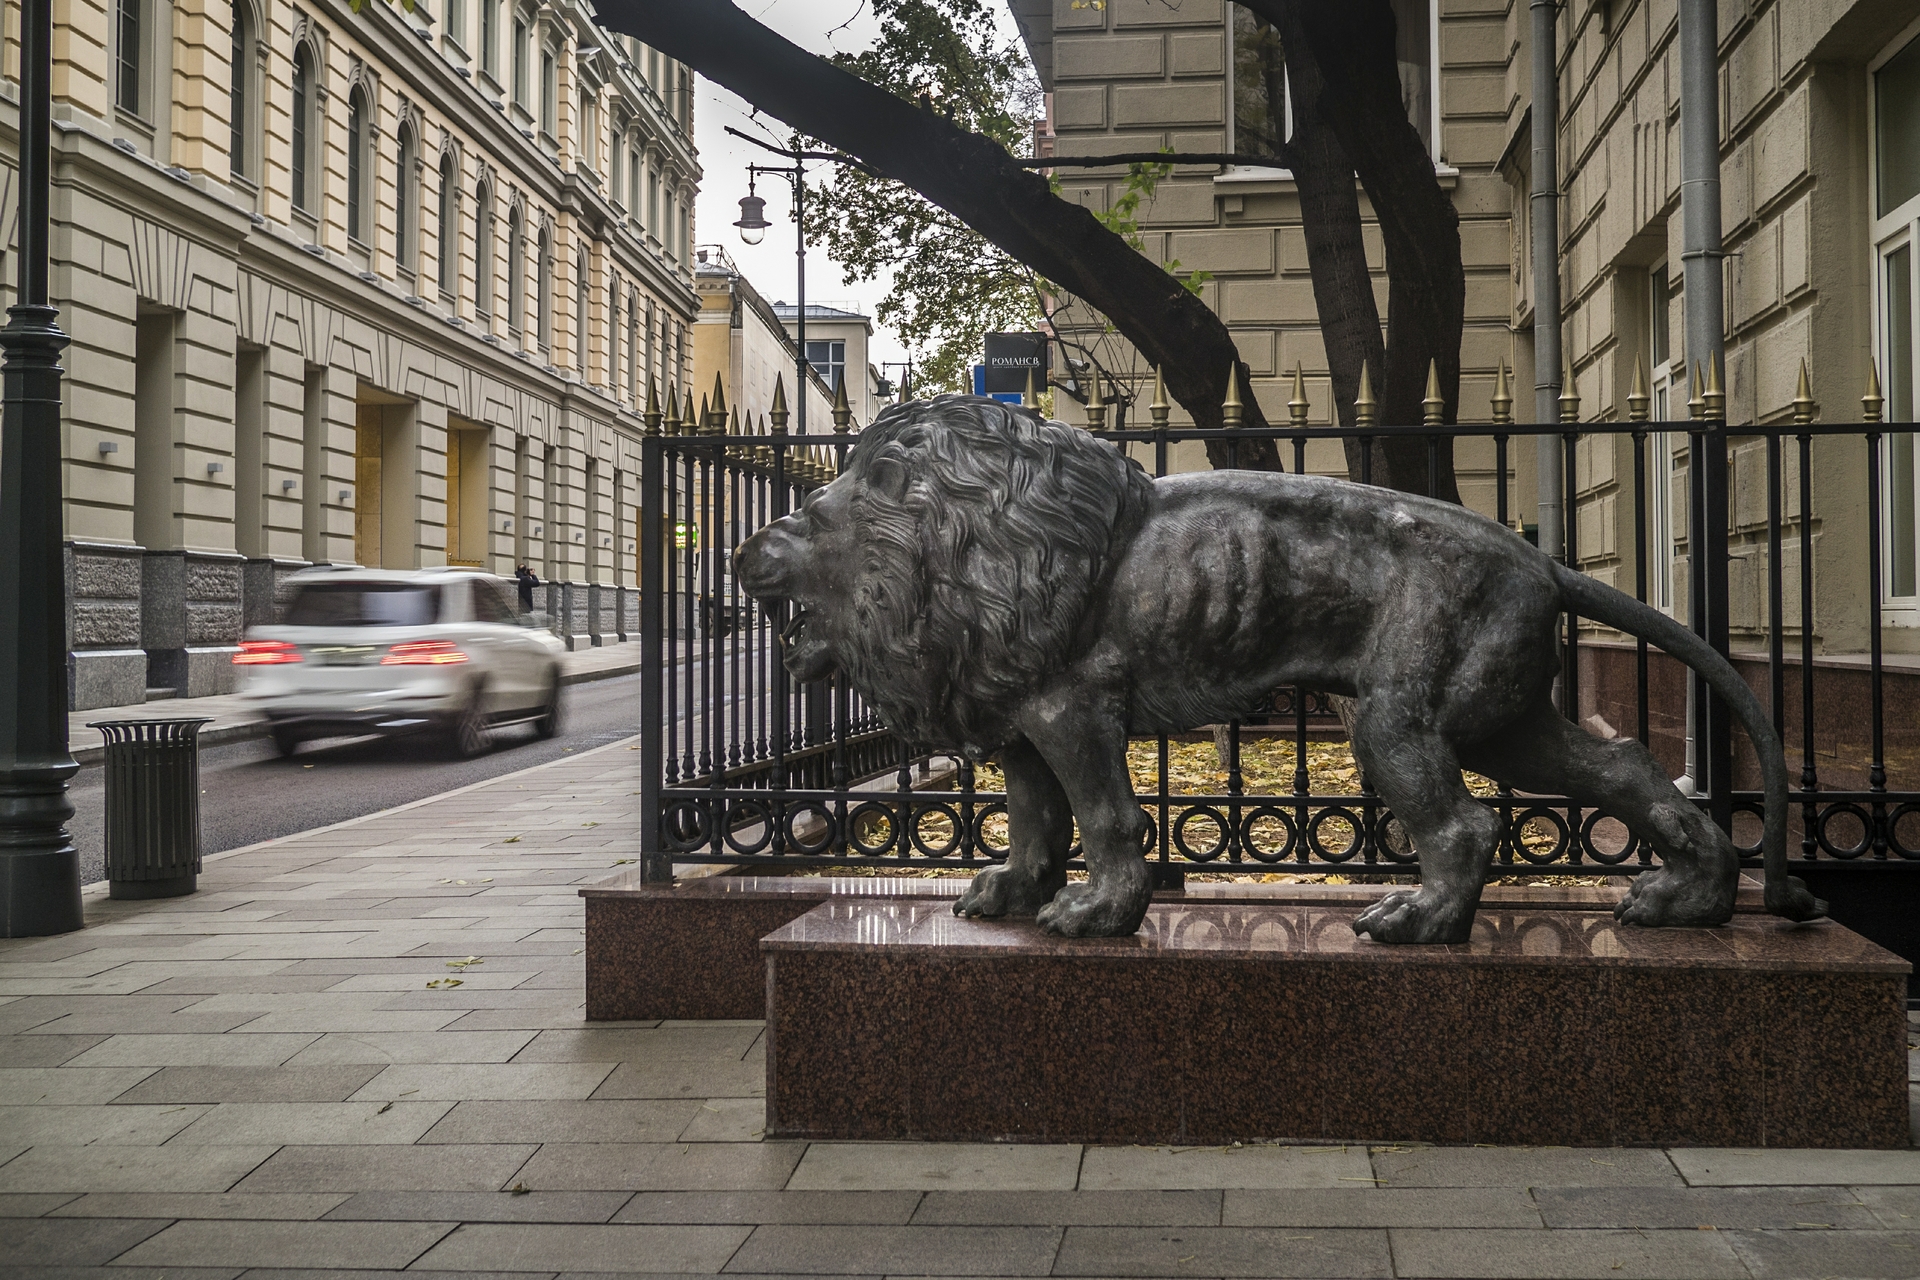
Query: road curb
x=221, y=734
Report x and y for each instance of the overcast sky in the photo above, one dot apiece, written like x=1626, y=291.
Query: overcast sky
x=724, y=159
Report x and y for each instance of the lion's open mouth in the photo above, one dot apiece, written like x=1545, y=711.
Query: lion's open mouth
x=790, y=633
x=807, y=655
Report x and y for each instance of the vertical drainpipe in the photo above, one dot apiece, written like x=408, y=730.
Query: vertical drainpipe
x=1544, y=202
x=1705, y=322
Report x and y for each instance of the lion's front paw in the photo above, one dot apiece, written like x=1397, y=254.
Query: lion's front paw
x=1416, y=916
x=1007, y=891
x=1664, y=899
x=1084, y=911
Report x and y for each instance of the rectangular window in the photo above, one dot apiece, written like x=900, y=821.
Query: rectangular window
x=127, y=57
x=1895, y=97
x=1896, y=102
x=549, y=93
x=489, y=32
x=456, y=34
x=829, y=360
x=520, y=62
x=1660, y=460
x=1262, y=108
x=1897, y=311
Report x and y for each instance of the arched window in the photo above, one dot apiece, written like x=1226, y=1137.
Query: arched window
x=404, y=197
x=581, y=301
x=302, y=127
x=543, y=295
x=483, y=250
x=613, y=332
x=633, y=347
x=449, y=229
x=516, y=270
x=357, y=219
x=240, y=93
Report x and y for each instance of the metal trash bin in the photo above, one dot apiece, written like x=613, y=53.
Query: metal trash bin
x=153, y=806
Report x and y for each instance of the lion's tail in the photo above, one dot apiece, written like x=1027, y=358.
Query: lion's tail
x=1786, y=895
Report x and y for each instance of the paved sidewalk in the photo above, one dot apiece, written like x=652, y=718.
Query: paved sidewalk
x=235, y=719
x=277, y=1077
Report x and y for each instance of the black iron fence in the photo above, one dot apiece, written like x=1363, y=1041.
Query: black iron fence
x=742, y=766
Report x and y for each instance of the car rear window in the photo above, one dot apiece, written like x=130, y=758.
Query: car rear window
x=363, y=604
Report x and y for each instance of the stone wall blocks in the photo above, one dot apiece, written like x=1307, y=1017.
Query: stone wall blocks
x=1109, y=58
x=99, y=624
x=1157, y=13
x=1751, y=74
x=1781, y=149
x=1168, y=104
x=1198, y=54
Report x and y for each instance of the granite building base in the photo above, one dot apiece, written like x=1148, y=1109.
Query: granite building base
x=1225, y=1022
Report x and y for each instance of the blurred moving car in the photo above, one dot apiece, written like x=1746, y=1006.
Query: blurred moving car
x=442, y=651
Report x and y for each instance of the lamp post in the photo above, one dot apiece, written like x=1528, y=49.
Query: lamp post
x=753, y=226
x=39, y=867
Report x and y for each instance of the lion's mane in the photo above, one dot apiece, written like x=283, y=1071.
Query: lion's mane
x=982, y=530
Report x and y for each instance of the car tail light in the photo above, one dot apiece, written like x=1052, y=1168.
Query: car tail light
x=265, y=653
x=423, y=653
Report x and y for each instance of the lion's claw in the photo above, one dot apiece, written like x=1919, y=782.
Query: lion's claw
x=1410, y=916
x=1082, y=911
x=1662, y=899
x=1005, y=890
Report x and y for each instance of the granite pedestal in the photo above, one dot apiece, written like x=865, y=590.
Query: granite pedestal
x=1243, y=1021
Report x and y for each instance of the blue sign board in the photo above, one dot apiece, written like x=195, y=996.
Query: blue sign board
x=980, y=387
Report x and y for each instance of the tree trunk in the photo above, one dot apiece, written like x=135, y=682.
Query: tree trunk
x=1340, y=58
x=973, y=178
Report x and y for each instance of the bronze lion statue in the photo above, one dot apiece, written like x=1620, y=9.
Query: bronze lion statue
x=1002, y=585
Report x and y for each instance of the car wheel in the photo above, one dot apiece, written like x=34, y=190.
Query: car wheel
x=548, y=723
x=285, y=741
x=469, y=734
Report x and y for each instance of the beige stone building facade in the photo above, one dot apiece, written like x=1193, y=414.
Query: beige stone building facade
x=382, y=288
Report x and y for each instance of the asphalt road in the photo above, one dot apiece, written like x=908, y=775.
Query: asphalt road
x=249, y=794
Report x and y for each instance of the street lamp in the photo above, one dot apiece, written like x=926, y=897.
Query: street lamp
x=753, y=222
x=39, y=868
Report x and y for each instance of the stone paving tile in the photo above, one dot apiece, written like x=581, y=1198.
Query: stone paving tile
x=176, y=1204
x=685, y=1249
x=1222, y=1251
x=936, y=1166
x=288, y=1244
x=32, y=1206
x=1477, y=1254
x=1896, y=1207
x=188, y=1023
x=42, y=1242
x=32, y=1015
x=49, y=1086
x=564, y=1121
x=479, y=1206
x=1523, y=1167
x=383, y=1048
x=616, y=1166
x=917, y=1251
x=1070, y=1208
x=541, y=1019
x=395, y=1168
x=506, y=1081
x=1691, y=1208
x=471, y=979
x=279, y=983
x=878, y=1208
x=1800, y=1255
x=193, y=1051
x=1714, y=1167
x=355, y=1022
x=19, y=1052
x=1205, y=1168
x=1382, y=1207
x=51, y=1168
x=125, y=1273
x=689, y=1078
x=250, y=1084
x=96, y=1125
x=680, y=1042
x=728, y=1120
x=315, y=1123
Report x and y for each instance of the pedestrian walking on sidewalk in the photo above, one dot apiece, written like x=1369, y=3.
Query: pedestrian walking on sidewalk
x=527, y=583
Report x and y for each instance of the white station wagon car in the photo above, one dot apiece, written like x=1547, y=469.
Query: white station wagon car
x=365, y=651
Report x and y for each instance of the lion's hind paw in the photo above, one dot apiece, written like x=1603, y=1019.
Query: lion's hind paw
x=1414, y=916
x=1659, y=899
x=1081, y=911
x=1004, y=891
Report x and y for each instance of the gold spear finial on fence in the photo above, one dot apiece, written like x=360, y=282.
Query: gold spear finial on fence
x=1715, y=395
x=1159, y=410
x=672, y=425
x=842, y=412
x=1433, y=409
x=1872, y=401
x=716, y=423
x=1638, y=401
x=1502, y=397
x=1096, y=407
x=1696, y=401
x=1298, y=406
x=1804, y=405
x=652, y=415
x=1232, y=412
x=1364, y=407
x=1031, y=396
x=778, y=414
x=1569, y=395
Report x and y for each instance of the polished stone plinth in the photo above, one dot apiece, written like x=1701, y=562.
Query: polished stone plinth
x=1237, y=1021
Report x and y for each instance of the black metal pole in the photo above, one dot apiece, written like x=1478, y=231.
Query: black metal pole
x=39, y=867
x=800, y=256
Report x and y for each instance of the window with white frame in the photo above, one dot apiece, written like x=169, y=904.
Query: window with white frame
x=358, y=220
x=1262, y=110
x=1662, y=522
x=829, y=360
x=303, y=129
x=1894, y=99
